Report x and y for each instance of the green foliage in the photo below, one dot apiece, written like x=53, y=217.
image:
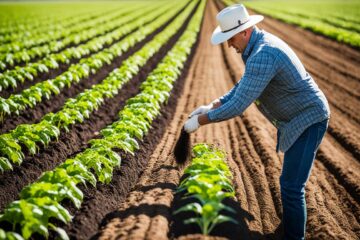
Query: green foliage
x=35, y=45
x=10, y=149
x=77, y=109
x=75, y=168
x=338, y=20
x=36, y=93
x=32, y=213
x=209, y=182
x=102, y=160
x=9, y=235
x=56, y=185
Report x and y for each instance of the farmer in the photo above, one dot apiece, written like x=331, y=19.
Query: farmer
x=284, y=92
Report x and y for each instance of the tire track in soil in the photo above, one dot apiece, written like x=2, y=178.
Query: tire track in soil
x=32, y=115
x=349, y=227
x=74, y=141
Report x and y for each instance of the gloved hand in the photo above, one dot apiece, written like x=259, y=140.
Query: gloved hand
x=192, y=124
x=201, y=110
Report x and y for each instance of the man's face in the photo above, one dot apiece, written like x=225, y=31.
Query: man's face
x=238, y=42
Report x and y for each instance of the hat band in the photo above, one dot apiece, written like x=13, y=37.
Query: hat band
x=239, y=24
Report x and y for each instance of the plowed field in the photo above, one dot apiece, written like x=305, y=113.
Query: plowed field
x=333, y=191
x=139, y=201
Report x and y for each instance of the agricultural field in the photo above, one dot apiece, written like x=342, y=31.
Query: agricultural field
x=339, y=20
x=93, y=97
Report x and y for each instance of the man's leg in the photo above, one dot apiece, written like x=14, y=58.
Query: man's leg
x=298, y=161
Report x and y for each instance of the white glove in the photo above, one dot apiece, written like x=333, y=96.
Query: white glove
x=201, y=110
x=192, y=124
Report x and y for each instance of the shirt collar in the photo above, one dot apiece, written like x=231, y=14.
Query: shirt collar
x=255, y=35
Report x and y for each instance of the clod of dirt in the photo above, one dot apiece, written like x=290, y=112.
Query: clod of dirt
x=182, y=148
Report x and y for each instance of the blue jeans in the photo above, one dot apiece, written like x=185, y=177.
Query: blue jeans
x=298, y=161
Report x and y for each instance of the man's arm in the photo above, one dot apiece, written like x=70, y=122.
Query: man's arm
x=203, y=119
x=228, y=95
x=259, y=70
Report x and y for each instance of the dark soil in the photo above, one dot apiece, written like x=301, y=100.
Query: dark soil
x=106, y=198
x=21, y=64
x=11, y=182
x=56, y=102
x=182, y=148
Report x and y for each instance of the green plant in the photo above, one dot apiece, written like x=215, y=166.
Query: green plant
x=45, y=89
x=209, y=182
x=9, y=235
x=334, y=19
x=98, y=161
x=79, y=108
x=33, y=215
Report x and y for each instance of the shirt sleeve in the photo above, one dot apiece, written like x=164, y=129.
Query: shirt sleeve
x=224, y=99
x=259, y=70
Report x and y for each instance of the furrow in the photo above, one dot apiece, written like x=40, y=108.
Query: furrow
x=317, y=47
x=33, y=115
x=78, y=136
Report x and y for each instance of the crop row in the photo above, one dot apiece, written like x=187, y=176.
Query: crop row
x=62, y=24
x=208, y=182
x=123, y=26
x=17, y=21
x=41, y=200
x=315, y=17
x=79, y=108
x=11, y=78
x=38, y=18
x=335, y=28
x=54, y=42
x=44, y=90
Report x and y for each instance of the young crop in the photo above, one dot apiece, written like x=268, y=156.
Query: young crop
x=9, y=235
x=114, y=31
x=19, y=25
x=76, y=110
x=326, y=18
x=98, y=161
x=112, y=24
x=33, y=215
x=27, y=135
x=208, y=181
x=44, y=90
x=48, y=42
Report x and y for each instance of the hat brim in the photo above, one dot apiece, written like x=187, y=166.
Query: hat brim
x=219, y=37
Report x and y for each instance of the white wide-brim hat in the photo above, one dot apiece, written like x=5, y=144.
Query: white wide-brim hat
x=233, y=20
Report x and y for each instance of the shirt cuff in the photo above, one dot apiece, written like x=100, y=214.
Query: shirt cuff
x=211, y=116
x=222, y=100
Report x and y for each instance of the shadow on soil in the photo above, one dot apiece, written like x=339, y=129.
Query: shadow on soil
x=150, y=210
x=225, y=230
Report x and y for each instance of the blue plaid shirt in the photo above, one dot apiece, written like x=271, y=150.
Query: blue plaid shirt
x=283, y=91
